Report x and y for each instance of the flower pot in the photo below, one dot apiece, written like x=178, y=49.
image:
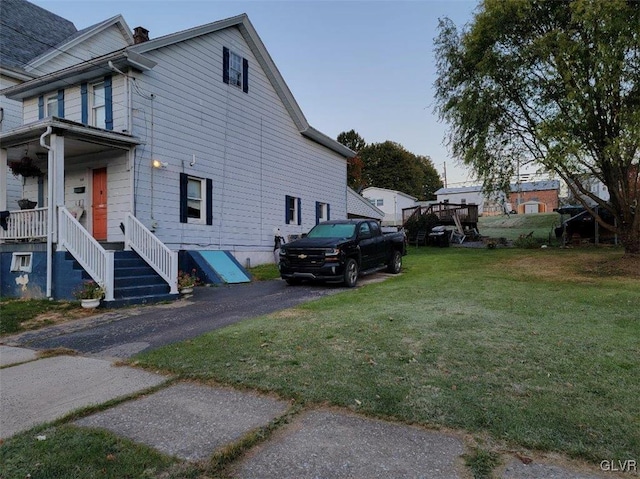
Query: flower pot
x=186, y=290
x=90, y=303
x=25, y=204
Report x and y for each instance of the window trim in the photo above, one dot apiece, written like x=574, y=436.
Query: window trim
x=323, y=212
x=240, y=70
x=94, y=87
x=17, y=260
x=293, y=210
x=206, y=200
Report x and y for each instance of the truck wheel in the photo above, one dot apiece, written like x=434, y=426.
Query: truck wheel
x=395, y=264
x=350, y=273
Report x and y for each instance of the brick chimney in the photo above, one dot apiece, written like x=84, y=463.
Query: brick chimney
x=140, y=35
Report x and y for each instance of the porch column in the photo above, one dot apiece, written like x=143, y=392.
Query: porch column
x=57, y=178
x=3, y=179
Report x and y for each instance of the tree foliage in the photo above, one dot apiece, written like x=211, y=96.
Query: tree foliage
x=553, y=84
x=389, y=165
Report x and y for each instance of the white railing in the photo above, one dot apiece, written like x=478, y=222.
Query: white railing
x=25, y=225
x=152, y=250
x=95, y=260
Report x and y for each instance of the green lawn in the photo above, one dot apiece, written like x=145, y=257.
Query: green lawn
x=538, y=349
x=512, y=226
x=522, y=349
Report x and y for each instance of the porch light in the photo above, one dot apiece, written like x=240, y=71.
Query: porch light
x=159, y=164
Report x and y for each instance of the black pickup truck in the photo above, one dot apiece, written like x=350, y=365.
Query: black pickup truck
x=340, y=251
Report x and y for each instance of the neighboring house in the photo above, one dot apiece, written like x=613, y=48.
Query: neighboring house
x=529, y=197
x=187, y=143
x=391, y=202
x=23, y=20
x=360, y=207
x=470, y=195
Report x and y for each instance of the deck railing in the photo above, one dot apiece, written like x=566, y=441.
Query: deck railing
x=25, y=225
x=152, y=250
x=95, y=260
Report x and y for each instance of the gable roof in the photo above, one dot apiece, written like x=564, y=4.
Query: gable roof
x=28, y=31
x=81, y=36
x=514, y=187
x=265, y=61
x=372, y=188
x=358, y=205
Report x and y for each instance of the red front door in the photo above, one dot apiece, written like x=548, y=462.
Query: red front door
x=99, y=204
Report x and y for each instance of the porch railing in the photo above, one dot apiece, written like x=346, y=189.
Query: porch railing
x=95, y=260
x=163, y=260
x=25, y=225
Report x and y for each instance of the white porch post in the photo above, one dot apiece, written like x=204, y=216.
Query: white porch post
x=3, y=179
x=57, y=178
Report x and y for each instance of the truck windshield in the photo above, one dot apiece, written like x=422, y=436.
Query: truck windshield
x=332, y=231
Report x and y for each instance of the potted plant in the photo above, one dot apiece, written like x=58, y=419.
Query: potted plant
x=90, y=294
x=187, y=281
x=24, y=167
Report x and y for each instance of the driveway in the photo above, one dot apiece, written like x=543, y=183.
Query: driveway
x=124, y=332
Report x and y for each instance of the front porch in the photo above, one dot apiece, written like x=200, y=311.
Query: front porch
x=81, y=196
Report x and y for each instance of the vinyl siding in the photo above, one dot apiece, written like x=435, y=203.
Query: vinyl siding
x=247, y=143
x=73, y=104
x=107, y=41
x=12, y=111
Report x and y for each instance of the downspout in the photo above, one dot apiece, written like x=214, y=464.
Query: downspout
x=49, y=210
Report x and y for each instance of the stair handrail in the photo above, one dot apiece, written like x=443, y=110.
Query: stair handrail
x=95, y=260
x=157, y=255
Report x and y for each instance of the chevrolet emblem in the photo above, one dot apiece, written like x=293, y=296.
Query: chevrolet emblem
x=302, y=256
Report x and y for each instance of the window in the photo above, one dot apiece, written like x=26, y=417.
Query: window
x=364, y=231
x=196, y=200
x=21, y=262
x=98, y=105
x=380, y=202
x=235, y=70
x=463, y=201
x=293, y=213
x=195, y=203
x=323, y=212
x=52, y=105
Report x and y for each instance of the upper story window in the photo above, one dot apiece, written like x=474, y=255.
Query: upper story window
x=51, y=105
x=98, y=105
x=380, y=202
x=235, y=69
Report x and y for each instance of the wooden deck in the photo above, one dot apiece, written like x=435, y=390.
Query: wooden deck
x=446, y=213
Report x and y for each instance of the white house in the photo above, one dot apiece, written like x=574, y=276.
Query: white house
x=391, y=202
x=471, y=195
x=188, y=142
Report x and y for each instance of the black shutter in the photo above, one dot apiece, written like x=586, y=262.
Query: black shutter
x=299, y=211
x=328, y=211
x=245, y=75
x=184, y=180
x=287, y=208
x=61, y=103
x=108, y=103
x=318, y=206
x=225, y=65
x=84, y=115
x=40, y=107
x=209, y=201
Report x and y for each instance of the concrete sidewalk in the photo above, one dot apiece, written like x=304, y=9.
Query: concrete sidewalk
x=193, y=421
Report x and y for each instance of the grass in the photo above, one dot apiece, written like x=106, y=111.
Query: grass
x=538, y=349
x=264, y=272
x=513, y=226
x=22, y=315
x=71, y=452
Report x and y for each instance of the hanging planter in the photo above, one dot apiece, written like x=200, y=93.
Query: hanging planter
x=24, y=167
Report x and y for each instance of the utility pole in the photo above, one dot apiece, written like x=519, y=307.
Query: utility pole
x=445, y=174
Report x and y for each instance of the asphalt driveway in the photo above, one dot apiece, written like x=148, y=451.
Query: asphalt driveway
x=125, y=332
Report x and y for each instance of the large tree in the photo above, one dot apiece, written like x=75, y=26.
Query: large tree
x=549, y=83
x=390, y=165
x=352, y=140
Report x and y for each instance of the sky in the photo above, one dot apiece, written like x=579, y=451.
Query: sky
x=362, y=65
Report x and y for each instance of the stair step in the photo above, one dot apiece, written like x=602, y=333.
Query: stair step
x=138, y=280
x=140, y=290
x=157, y=298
